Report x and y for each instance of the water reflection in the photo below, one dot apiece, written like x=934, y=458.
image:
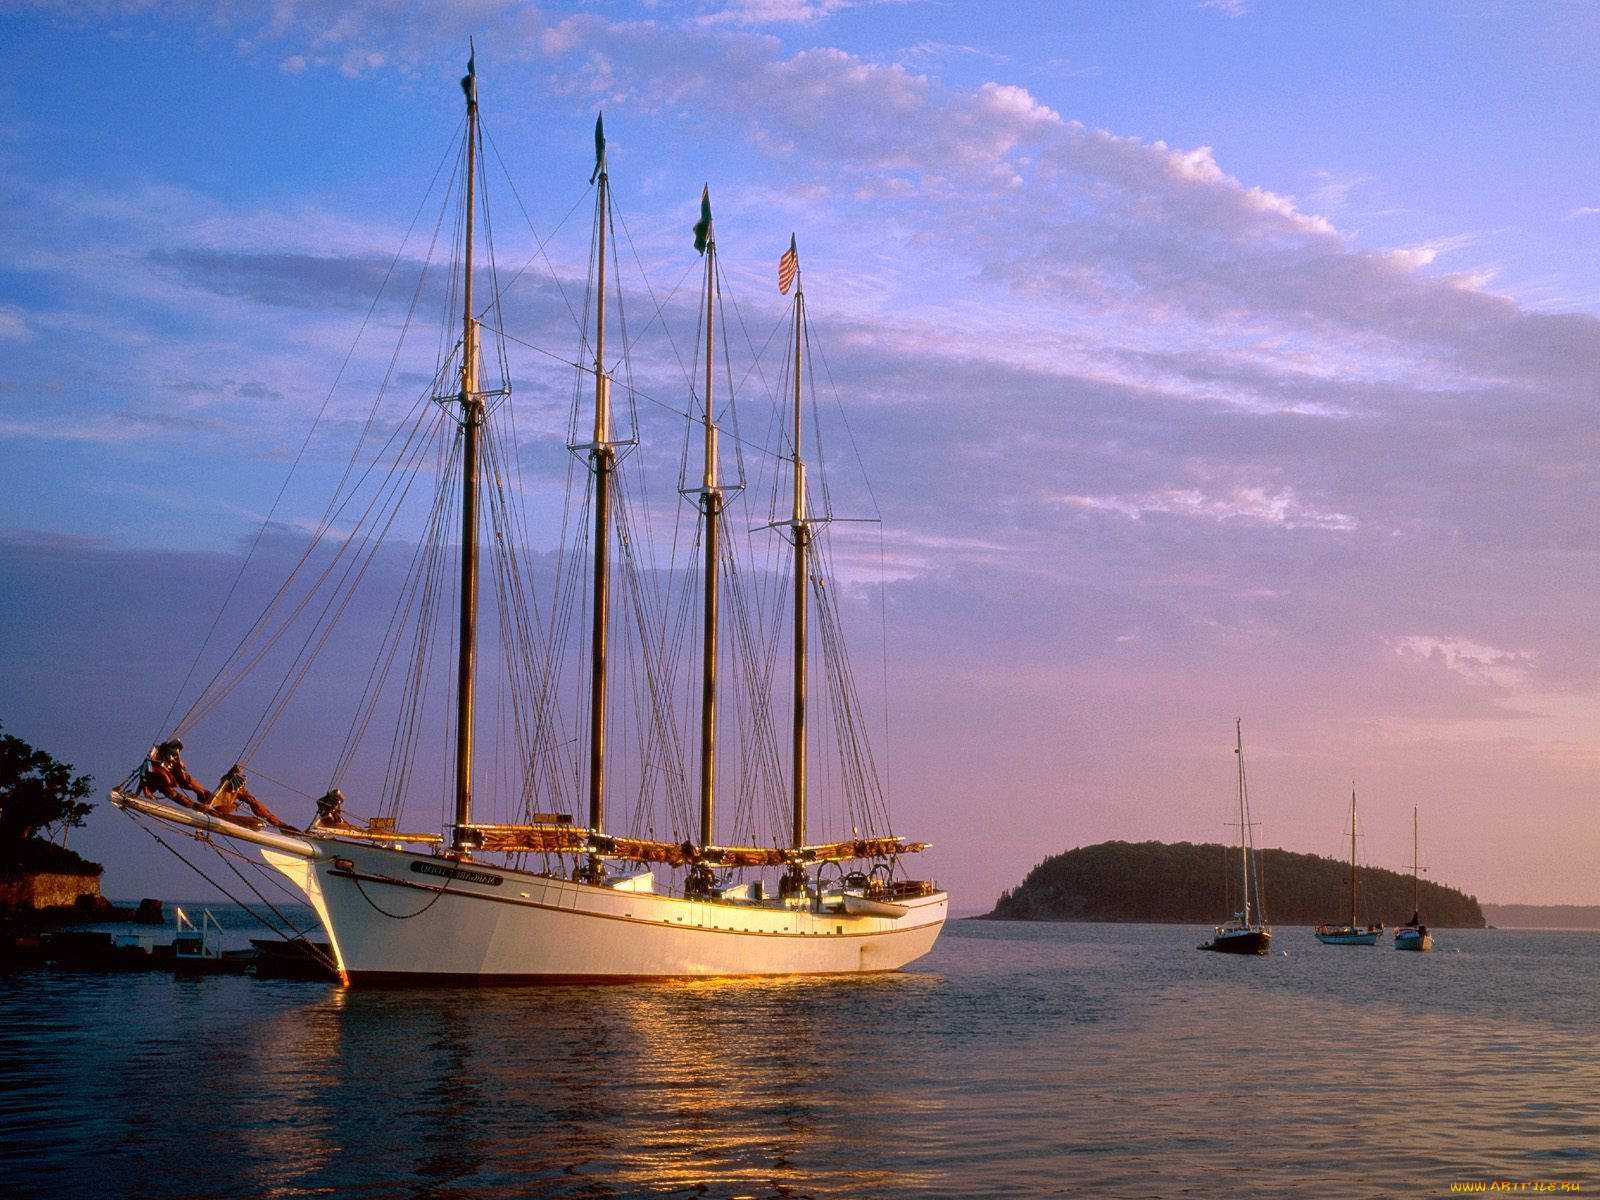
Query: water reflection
x=1025, y=1061
x=729, y=1087
x=749, y=1088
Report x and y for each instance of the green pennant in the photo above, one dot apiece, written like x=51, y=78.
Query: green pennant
x=599, y=146
x=702, y=227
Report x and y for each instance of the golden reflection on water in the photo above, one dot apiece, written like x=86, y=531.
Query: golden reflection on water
x=745, y=1076
x=287, y=1067
x=736, y=1087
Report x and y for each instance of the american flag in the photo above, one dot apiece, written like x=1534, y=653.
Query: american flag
x=788, y=267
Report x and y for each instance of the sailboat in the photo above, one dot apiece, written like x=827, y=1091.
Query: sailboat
x=469, y=904
x=1350, y=934
x=1242, y=934
x=1414, y=935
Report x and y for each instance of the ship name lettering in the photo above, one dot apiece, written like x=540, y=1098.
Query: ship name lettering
x=428, y=868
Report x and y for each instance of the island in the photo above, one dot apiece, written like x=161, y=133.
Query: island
x=1184, y=883
x=1543, y=916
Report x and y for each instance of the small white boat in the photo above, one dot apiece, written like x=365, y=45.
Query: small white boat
x=863, y=906
x=1414, y=935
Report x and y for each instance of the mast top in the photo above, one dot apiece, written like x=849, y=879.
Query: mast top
x=599, y=171
x=705, y=233
x=789, y=270
x=469, y=81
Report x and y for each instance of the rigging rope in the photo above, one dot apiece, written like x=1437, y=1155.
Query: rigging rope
x=255, y=916
x=310, y=433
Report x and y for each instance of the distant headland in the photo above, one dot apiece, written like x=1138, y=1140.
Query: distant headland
x=1197, y=884
x=1543, y=916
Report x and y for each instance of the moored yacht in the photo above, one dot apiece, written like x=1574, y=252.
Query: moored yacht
x=1247, y=932
x=1349, y=933
x=1414, y=935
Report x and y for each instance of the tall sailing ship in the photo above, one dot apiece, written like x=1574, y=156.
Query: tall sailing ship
x=1349, y=933
x=546, y=897
x=1247, y=932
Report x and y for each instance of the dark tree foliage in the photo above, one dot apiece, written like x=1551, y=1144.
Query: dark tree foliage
x=1184, y=883
x=37, y=794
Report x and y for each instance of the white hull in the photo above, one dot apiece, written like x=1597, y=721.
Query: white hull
x=391, y=915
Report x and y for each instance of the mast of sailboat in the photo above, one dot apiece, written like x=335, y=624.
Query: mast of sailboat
x=1244, y=828
x=1416, y=907
x=472, y=411
x=602, y=460
x=802, y=537
x=711, y=504
x=1352, y=856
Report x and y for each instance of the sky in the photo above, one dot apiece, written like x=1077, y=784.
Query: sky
x=1210, y=361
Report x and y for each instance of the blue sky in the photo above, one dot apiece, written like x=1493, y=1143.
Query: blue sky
x=1215, y=359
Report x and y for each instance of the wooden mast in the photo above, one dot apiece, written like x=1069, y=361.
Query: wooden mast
x=711, y=494
x=1352, y=856
x=802, y=538
x=602, y=459
x=1416, y=907
x=1244, y=829
x=471, y=418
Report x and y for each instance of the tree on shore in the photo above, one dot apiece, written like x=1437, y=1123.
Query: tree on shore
x=38, y=795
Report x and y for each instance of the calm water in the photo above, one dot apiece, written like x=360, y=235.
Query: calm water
x=1015, y=1060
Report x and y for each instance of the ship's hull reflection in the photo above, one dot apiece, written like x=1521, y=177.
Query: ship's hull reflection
x=739, y=1087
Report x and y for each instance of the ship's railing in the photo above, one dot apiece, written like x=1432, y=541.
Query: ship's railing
x=566, y=838
x=573, y=839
